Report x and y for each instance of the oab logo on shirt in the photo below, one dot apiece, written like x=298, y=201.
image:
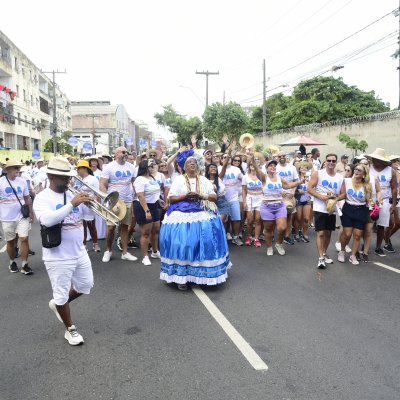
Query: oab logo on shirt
x=275, y=186
x=354, y=193
x=123, y=174
x=330, y=185
x=285, y=173
x=382, y=178
x=255, y=184
x=8, y=190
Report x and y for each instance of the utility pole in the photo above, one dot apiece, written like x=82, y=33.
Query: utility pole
x=398, y=56
x=94, y=133
x=223, y=98
x=54, y=130
x=207, y=73
x=264, y=110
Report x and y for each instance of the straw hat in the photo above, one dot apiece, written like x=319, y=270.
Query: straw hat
x=59, y=166
x=306, y=164
x=105, y=155
x=156, y=151
x=394, y=157
x=379, y=154
x=13, y=163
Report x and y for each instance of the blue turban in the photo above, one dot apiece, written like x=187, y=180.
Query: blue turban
x=183, y=156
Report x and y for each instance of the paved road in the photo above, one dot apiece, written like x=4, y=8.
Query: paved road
x=332, y=334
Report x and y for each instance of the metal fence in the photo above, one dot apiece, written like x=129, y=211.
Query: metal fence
x=346, y=121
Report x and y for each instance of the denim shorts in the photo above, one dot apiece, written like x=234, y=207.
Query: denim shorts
x=234, y=210
x=273, y=211
x=223, y=205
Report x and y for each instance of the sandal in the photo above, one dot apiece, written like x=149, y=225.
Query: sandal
x=182, y=286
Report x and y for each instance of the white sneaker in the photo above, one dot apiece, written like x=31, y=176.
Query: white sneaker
x=347, y=249
x=354, y=260
x=155, y=255
x=128, y=256
x=341, y=256
x=327, y=259
x=146, y=260
x=96, y=248
x=228, y=236
x=338, y=246
x=107, y=256
x=280, y=249
x=270, y=251
x=52, y=305
x=73, y=337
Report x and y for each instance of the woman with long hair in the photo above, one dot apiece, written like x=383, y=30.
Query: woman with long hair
x=192, y=239
x=303, y=203
x=252, y=198
x=357, y=192
x=146, y=207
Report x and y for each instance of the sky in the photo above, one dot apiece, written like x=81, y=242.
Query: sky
x=145, y=54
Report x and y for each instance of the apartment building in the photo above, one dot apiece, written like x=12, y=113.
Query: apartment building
x=103, y=125
x=26, y=105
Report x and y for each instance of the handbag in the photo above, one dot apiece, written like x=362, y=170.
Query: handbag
x=51, y=235
x=374, y=212
x=25, y=210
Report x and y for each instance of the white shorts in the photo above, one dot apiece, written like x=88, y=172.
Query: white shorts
x=65, y=274
x=253, y=203
x=88, y=214
x=384, y=214
x=11, y=228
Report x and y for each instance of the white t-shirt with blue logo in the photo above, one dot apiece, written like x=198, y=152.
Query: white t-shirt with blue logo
x=150, y=187
x=326, y=185
x=120, y=179
x=233, y=182
x=288, y=173
x=71, y=247
x=354, y=196
x=10, y=209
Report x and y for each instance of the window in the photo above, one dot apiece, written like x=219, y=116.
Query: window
x=24, y=91
x=16, y=63
x=32, y=100
x=25, y=119
x=19, y=118
x=9, y=140
x=17, y=89
x=37, y=102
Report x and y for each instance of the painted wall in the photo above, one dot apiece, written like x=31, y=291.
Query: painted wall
x=384, y=133
x=21, y=155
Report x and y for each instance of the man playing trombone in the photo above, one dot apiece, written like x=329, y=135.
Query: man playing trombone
x=67, y=264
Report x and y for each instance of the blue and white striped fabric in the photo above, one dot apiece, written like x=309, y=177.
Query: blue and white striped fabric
x=193, y=248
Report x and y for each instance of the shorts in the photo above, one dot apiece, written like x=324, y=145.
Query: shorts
x=324, y=221
x=253, y=203
x=140, y=215
x=223, y=205
x=302, y=203
x=273, y=211
x=88, y=214
x=354, y=216
x=66, y=273
x=234, y=210
x=128, y=216
x=12, y=228
x=384, y=214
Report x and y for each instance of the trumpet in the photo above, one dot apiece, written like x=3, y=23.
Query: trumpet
x=112, y=210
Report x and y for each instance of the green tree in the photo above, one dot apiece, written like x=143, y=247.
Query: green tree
x=179, y=124
x=353, y=144
x=224, y=119
x=322, y=99
x=62, y=144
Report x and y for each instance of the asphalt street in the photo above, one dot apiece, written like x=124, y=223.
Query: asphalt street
x=330, y=334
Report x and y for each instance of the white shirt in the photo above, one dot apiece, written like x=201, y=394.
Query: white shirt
x=287, y=172
x=10, y=209
x=179, y=186
x=233, y=182
x=150, y=187
x=326, y=184
x=49, y=209
x=120, y=179
x=316, y=164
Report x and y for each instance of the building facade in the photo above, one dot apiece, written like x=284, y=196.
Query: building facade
x=26, y=108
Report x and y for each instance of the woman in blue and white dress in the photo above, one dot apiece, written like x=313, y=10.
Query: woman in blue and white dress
x=193, y=245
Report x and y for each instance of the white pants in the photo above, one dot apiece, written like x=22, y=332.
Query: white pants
x=64, y=274
x=11, y=228
x=384, y=214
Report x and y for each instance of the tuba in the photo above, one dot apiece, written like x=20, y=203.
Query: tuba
x=246, y=141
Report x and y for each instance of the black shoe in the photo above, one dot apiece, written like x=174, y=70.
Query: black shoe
x=13, y=267
x=321, y=263
x=16, y=252
x=27, y=270
x=305, y=239
x=365, y=258
x=132, y=244
x=119, y=244
x=388, y=247
x=296, y=238
x=288, y=240
x=358, y=256
x=379, y=252
x=31, y=252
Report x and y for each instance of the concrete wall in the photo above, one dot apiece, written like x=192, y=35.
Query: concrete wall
x=380, y=130
x=21, y=155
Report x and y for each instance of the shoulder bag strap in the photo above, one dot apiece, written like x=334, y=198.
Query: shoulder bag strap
x=19, y=201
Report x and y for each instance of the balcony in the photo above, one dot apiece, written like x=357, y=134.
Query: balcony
x=5, y=60
x=7, y=114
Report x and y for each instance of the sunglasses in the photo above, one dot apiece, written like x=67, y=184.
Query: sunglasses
x=153, y=155
x=236, y=160
x=124, y=152
x=358, y=169
x=331, y=161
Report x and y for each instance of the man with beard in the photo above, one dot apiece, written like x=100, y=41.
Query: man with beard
x=68, y=264
x=118, y=175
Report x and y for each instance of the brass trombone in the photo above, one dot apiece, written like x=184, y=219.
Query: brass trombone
x=111, y=210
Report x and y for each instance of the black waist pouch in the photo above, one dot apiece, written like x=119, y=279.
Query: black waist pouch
x=25, y=211
x=51, y=236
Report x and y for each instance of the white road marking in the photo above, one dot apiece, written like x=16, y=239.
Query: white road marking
x=252, y=357
x=387, y=267
x=3, y=249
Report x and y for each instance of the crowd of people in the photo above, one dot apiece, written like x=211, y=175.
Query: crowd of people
x=188, y=207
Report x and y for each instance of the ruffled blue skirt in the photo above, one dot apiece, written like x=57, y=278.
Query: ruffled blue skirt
x=193, y=247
